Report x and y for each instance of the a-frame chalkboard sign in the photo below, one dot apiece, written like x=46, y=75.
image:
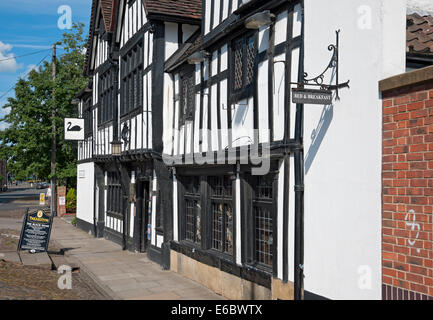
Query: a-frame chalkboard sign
x=36, y=230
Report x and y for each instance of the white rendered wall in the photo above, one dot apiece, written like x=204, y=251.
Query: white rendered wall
x=343, y=144
x=85, y=191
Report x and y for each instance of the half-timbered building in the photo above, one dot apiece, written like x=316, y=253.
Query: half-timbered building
x=234, y=225
x=127, y=198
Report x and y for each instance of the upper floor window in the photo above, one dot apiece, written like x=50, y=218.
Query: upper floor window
x=244, y=53
x=88, y=117
x=132, y=80
x=106, y=97
x=187, y=96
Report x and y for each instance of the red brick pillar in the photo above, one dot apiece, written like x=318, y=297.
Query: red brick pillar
x=407, y=181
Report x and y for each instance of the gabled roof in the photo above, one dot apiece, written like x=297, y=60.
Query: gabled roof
x=419, y=34
x=178, y=8
x=187, y=49
x=107, y=11
x=107, y=7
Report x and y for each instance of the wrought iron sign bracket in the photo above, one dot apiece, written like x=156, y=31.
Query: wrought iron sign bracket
x=333, y=65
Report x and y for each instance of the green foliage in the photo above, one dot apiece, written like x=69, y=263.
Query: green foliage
x=74, y=221
x=27, y=140
x=71, y=200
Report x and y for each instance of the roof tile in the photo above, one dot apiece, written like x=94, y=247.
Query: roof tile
x=180, y=8
x=419, y=34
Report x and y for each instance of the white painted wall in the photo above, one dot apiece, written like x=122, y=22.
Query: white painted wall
x=343, y=143
x=85, y=191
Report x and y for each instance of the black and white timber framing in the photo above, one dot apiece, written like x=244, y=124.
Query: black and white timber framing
x=240, y=97
x=121, y=198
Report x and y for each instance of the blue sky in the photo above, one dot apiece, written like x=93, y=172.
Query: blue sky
x=28, y=26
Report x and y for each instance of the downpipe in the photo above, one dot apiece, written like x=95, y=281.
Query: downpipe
x=299, y=181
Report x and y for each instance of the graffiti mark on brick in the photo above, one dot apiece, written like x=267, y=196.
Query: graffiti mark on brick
x=414, y=226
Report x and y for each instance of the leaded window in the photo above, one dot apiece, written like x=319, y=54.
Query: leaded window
x=222, y=213
x=263, y=220
x=114, y=195
x=106, y=97
x=187, y=96
x=132, y=80
x=192, y=209
x=244, y=56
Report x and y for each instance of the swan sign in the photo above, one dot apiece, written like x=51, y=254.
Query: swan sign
x=74, y=129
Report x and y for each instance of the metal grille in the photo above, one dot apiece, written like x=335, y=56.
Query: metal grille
x=238, y=63
x=264, y=236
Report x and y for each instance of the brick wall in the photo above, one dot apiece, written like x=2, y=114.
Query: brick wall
x=407, y=194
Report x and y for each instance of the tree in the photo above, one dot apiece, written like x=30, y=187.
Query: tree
x=27, y=140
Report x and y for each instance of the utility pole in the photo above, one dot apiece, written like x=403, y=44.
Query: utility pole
x=54, y=141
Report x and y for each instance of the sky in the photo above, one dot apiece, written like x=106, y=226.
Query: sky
x=29, y=26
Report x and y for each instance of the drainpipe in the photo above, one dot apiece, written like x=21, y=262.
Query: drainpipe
x=299, y=180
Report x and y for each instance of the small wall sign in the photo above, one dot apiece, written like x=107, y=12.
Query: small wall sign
x=310, y=96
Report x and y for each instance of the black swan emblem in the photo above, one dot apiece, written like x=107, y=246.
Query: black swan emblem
x=74, y=128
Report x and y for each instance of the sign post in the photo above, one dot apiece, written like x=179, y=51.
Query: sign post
x=36, y=230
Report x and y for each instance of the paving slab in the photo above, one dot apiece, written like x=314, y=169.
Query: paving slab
x=10, y=257
x=40, y=259
x=123, y=274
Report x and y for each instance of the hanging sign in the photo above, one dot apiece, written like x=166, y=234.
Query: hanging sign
x=311, y=96
x=36, y=230
x=74, y=129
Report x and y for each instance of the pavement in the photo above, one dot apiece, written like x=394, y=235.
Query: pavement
x=123, y=275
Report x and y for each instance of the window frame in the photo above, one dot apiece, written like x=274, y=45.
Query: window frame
x=106, y=97
x=87, y=115
x=252, y=200
x=131, y=79
x=114, y=196
x=221, y=199
x=246, y=90
x=193, y=195
x=186, y=113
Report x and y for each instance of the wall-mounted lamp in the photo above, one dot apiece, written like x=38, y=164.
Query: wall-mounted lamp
x=116, y=148
x=198, y=57
x=259, y=20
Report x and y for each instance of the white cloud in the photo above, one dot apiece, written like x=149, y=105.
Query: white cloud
x=422, y=7
x=8, y=63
